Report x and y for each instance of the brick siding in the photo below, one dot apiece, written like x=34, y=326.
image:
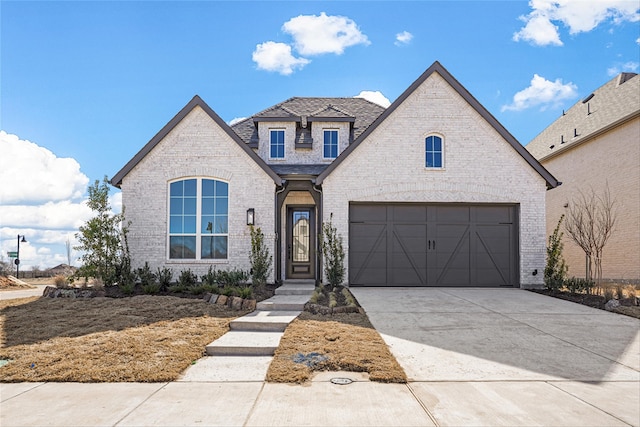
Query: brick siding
x=479, y=167
x=196, y=147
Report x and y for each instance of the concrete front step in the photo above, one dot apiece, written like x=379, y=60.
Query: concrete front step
x=295, y=289
x=245, y=343
x=284, y=303
x=264, y=320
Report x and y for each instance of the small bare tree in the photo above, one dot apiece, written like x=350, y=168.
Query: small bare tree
x=589, y=223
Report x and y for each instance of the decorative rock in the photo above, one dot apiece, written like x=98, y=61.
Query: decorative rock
x=206, y=296
x=249, y=304
x=214, y=298
x=222, y=300
x=612, y=304
x=50, y=292
x=236, y=303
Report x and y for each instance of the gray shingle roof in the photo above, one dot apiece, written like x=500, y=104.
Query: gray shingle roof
x=614, y=102
x=284, y=170
x=363, y=113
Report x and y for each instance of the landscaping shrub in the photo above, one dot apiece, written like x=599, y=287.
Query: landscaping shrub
x=177, y=288
x=333, y=252
x=187, y=278
x=210, y=278
x=607, y=294
x=148, y=280
x=230, y=291
x=260, y=258
x=578, y=285
x=556, y=270
x=245, y=293
x=164, y=276
x=60, y=281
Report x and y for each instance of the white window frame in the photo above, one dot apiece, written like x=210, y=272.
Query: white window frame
x=337, y=131
x=198, y=233
x=442, y=151
x=284, y=143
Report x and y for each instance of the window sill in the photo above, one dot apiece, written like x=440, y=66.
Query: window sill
x=304, y=145
x=197, y=261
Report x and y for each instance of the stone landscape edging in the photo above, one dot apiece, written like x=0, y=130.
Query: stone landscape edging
x=234, y=303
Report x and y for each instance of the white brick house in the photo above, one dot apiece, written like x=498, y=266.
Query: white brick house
x=431, y=191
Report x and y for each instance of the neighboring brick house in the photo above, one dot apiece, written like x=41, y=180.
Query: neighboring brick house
x=431, y=191
x=595, y=144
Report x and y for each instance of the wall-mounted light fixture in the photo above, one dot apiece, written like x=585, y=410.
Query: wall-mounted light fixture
x=251, y=216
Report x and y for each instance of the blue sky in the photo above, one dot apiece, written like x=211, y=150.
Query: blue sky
x=84, y=85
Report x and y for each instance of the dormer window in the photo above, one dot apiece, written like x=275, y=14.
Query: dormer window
x=330, y=146
x=276, y=144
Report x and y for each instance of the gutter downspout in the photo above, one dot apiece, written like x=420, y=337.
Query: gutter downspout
x=318, y=189
x=278, y=242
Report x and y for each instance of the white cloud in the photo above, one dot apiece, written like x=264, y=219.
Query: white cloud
x=402, y=38
x=543, y=93
x=63, y=215
x=638, y=40
x=236, y=120
x=577, y=15
x=316, y=35
x=277, y=57
x=42, y=196
x=49, y=177
x=539, y=31
x=374, y=96
x=630, y=66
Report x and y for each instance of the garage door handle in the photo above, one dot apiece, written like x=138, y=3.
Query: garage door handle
x=434, y=245
x=429, y=244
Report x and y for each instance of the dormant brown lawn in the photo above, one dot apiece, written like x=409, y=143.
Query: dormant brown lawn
x=143, y=338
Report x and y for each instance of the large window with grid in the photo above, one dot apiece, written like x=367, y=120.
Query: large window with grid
x=198, y=219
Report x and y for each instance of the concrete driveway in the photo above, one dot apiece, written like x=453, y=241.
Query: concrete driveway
x=509, y=356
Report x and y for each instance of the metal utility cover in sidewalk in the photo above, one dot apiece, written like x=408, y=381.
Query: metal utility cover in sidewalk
x=417, y=244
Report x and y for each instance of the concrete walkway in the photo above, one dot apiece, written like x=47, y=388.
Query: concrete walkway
x=245, y=352
x=473, y=356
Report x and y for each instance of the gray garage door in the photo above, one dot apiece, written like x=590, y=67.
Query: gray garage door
x=433, y=245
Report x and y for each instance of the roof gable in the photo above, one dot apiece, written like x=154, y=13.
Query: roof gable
x=436, y=67
x=196, y=101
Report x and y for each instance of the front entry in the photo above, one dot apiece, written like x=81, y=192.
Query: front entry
x=301, y=242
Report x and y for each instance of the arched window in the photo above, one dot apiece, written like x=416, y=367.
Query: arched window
x=434, y=152
x=198, y=219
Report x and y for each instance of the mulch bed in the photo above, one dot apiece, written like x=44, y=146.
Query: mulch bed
x=259, y=294
x=333, y=340
x=627, y=305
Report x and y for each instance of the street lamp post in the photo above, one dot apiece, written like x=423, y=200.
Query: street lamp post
x=17, y=261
